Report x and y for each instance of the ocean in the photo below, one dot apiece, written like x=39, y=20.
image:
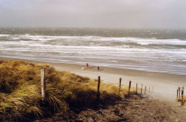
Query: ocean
x=147, y=50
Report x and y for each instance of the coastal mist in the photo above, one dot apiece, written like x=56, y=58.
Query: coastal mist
x=147, y=50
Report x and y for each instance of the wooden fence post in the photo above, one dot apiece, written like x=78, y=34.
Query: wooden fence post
x=120, y=85
x=43, y=84
x=145, y=90
x=129, y=87
x=182, y=97
x=182, y=92
x=141, y=88
x=1, y=75
x=98, y=88
x=178, y=92
x=136, y=88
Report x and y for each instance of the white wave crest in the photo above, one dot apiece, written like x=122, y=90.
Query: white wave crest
x=1, y=35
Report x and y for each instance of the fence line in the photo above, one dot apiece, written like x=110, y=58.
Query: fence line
x=98, y=86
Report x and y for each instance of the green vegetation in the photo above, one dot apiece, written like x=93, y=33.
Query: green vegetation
x=20, y=95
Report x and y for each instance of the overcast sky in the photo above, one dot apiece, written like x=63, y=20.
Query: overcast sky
x=93, y=13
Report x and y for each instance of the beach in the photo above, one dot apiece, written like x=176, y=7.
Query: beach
x=93, y=61
x=164, y=85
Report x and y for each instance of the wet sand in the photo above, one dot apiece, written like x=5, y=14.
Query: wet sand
x=165, y=85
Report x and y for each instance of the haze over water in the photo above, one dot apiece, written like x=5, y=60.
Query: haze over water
x=148, y=50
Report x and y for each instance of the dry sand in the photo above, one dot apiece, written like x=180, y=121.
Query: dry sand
x=165, y=85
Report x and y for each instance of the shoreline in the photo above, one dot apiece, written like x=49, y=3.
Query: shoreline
x=165, y=85
x=94, y=63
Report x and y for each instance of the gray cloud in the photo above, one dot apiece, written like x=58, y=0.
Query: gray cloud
x=93, y=13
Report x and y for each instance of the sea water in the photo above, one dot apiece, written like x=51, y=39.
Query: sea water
x=147, y=50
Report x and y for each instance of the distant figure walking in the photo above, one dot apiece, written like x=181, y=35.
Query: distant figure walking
x=87, y=65
x=98, y=68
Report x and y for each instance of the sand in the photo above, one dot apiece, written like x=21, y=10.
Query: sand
x=165, y=85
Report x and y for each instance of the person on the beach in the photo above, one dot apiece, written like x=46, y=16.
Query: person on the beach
x=87, y=65
x=98, y=68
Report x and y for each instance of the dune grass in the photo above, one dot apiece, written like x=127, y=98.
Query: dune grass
x=20, y=96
